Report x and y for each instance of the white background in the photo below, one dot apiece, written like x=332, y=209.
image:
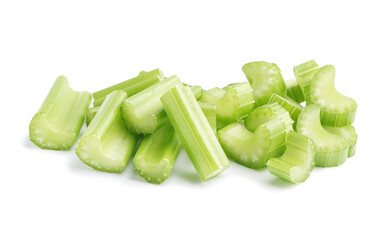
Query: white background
x=52, y=195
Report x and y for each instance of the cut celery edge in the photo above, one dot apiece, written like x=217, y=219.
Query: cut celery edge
x=304, y=74
x=298, y=160
x=331, y=150
x=265, y=78
x=197, y=136
x=131, y=86
x=209, y=110
x=291, y=106
x=157, y=153
x=91, y=112
x=57, y=124
x=106, y=145
x=294, y=91
x=337, y=110
x=348, y=133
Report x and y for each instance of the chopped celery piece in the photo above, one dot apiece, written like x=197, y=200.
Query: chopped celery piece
x=195, y=132
x=337, y=110
x=291, y=106
x=331, y=150
x=131, y=86
x=232, y=102
x=266, y=79
x=348, y=133
x=157, y=153
x=304, y=74
x=209, y=110
x=266, y=113
x=57, y=123
x=91, y=114
x=106, y=144
x=197, y=91
x=294, y=91
x=298, y=160
x=254, y=149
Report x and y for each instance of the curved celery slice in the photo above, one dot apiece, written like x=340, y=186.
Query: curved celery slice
x=348, y=133
x=106, y=144
x=57, y=123
x=291, y=106
x=298, y=160
x=337, y=110
x=253, y=149
x=266, y=113
x=131, y=86
x=331, y=150
x=232, y=102
x=294, y=91
x=266, y=79
x=157, y=153
x=91, y=112
x=209, y=110
x=304, y=74
x=195, y=132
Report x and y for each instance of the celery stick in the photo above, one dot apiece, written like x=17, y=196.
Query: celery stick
x=131, y=86
x=209, y=110
x=298, y=160
x=195, y=132
x=331, y=150
x=266, y=79
x=291, y=106
x=91, y=114
x=57, y=123
x=106, y=144
x=294, y=91
x=348, y=133
x=304, y=74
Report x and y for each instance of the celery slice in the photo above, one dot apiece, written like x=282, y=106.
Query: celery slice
x=131, y=86
x=195, y=132
x=209, y=110
x=266, y=79
x=294, y=91
x=291, y=106
x=157, y=153
x=331, y=150
x=337, y=110
x=348, y=133
x=58, y=122
x=304, y=74
x=91, y=114
x=106, y=144
x=298, y=160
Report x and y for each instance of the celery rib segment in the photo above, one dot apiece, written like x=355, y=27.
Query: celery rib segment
x=294, y=91
x=209, y=110
x=91, y=112
x=195, y=132
x=304, y=74
x=291, y=106
x=348, y=133
x=57, y=124
x=106, y=145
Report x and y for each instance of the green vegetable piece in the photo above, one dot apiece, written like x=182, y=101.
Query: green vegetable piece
x=209, y=110
x=304, y=74
x=291, y=106
x=91, y=114
x=348, y=133
x=294, y=91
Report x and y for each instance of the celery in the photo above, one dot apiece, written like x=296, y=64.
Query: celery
x=294, y=91
x=298, y=160
x=91, y=114
x=291, y=106
x=304, y=74
x=131, y=86
x=348, y=133
x=195, y=132
x=106, y=144
x=57, y=123
x=209, y=110
x=266, y=79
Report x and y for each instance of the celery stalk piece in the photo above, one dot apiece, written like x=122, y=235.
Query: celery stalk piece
x=266, y=113
x=57, y=123
x=348, y=133
x=157, y=153
x=304, y=74
x=331, y=150
x=197, y=91
x=254, y=149
x=232, y=102
x=131, y=86
x=337, y=110
x=291, y=106
x=195, y=132
x=91, y=114
x=106, y=145
x=298, y=160
x=266, y=79
x=294, y=91
x=209, y=110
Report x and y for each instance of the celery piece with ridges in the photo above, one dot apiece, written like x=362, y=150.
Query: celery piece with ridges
x=209, y=110
x=131, y=86
x=195, y=132
x=58, y=122
x=106, y=145
x=298, y=160
x=291, y=106
x=294, y=91
x=304, y=74
x=91, y=112
x=348, y=133
x=266, y=79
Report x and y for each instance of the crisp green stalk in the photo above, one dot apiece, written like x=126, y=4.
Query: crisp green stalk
x=291, y=106
x=265, y=78
x=209, y=110
x=58, y=122
x=91, y=114
x=348, y=133
x=304, y=74
x=131, y=86
x=106, y=144
x=195, y=132
x=294, y=91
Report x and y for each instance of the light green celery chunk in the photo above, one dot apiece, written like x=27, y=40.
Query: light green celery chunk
x=348, y=133
x=131, y=86
x=331, y=150
x=254, y=149
x=291, y=106
x=294, y=91
x=209, y=110
x=265, y=78
x=195, y=132
x=91, y=114
x=232, y=102
x=197, y=91
x=337, y=110
x=106, y=144
x=58, y=122
x=304, y=74
x=157, y=153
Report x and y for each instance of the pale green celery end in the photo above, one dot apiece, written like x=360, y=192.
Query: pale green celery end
x=352, y=151
x=291, y=106
x=197, y=91
x=209, y=110
x=91, y=114
x=195, y=132
x=348, y=133
x=57, y=124
x=294, y=91
x=245, y=96
x=304, y=74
